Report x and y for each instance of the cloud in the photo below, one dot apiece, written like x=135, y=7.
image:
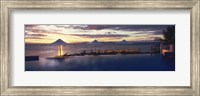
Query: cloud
x=103, y=32
x=41, y=29
x=30, y=26
x=79, y=28
x=122, y=27
x=100, y=35
x=63, y=26
x=34, y=28
x=159, y=32
x=34, y=38
x=109, y=33
x=35, y=34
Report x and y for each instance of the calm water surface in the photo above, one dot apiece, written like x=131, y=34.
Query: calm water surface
x=131, y=62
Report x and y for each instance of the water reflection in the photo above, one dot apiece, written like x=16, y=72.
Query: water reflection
x=133, y=62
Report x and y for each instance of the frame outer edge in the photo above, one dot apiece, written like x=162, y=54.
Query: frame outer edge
x=5, y=90
x=0, y=47
x=198, y=30
x=195, y=49
x=4, y=48
x=98, y=4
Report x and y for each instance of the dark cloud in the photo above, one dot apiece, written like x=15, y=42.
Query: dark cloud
x=100, y=35
x=109, y=33
x=37, y=30
x=148, y=31
x=124, y=27
x=27, y=34
x=158, y=32
x=30, y=26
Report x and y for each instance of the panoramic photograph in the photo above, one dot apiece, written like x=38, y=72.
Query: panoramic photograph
x=98, y=47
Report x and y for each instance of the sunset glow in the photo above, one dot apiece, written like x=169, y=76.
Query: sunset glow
x=88, y=33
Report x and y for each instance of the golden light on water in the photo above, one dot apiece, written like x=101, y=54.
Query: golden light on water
x=60, y=50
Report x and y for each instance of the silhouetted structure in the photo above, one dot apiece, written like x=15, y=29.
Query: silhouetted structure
x=59, y=43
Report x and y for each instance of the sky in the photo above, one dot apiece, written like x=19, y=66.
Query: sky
x=87, y=33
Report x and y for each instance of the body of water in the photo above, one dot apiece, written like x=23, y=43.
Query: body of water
x=120, y=62
x=45, y=50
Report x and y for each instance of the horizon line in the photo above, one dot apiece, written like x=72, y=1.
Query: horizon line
x=99, y=41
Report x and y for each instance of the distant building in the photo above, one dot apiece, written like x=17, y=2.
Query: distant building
x=164, y=48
